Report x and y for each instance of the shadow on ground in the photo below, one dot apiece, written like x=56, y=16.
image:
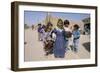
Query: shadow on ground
x=87, y=46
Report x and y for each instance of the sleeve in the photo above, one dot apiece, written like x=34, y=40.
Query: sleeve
x=77, y=35
x=53, y=34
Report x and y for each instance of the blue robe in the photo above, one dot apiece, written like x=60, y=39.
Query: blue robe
x=59, y=48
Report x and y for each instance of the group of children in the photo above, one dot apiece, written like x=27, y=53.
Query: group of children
x=56, y=40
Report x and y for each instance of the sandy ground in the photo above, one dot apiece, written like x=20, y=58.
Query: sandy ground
x=34, y=48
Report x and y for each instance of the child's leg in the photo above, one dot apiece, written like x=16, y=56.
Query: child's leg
x=49, y=52
x=67, y=45
x=41, y=36
x=76, y=43
x=71, y=43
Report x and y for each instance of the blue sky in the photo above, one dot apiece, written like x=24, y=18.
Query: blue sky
x=34, y=17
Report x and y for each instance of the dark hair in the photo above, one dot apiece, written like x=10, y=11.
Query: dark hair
x=43, y=26
x=76, y=26
x=39, y=24
x=66, y=22
x=49, y=24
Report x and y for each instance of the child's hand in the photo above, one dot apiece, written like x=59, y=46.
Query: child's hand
x=76, y=38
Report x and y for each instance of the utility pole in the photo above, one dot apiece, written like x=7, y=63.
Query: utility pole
x=48, y=17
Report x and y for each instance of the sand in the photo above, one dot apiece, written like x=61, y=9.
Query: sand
x=34, y=48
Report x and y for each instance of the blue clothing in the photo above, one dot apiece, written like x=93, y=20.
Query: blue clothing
x=75, y=45
x=76, y=36
x=60, y=43
x=39, y=29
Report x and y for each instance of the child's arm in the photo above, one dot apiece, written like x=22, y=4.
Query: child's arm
x=53, y=34
x=76, y=35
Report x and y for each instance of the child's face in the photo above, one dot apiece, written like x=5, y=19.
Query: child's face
x=39, y=25
x=49, y=29
x=66, y=25
x=75, y=28
x=60, y=24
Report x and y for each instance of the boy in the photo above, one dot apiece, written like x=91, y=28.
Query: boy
x=39, y=32
x=76, y=36
x=68, y=34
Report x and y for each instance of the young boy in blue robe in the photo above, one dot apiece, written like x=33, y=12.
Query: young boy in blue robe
x=76, y=37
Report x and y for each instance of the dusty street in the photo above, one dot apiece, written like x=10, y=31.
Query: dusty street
x=34, y=48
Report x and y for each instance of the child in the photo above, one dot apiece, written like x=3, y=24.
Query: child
x=32, y=27
x=39, y=32
x=47, y=40
x=68, y=34
x=76, y=36
x=59, y=44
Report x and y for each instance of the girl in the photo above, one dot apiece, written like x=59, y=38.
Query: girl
x=47, y=40
x=76, y=36
x=59, y=45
